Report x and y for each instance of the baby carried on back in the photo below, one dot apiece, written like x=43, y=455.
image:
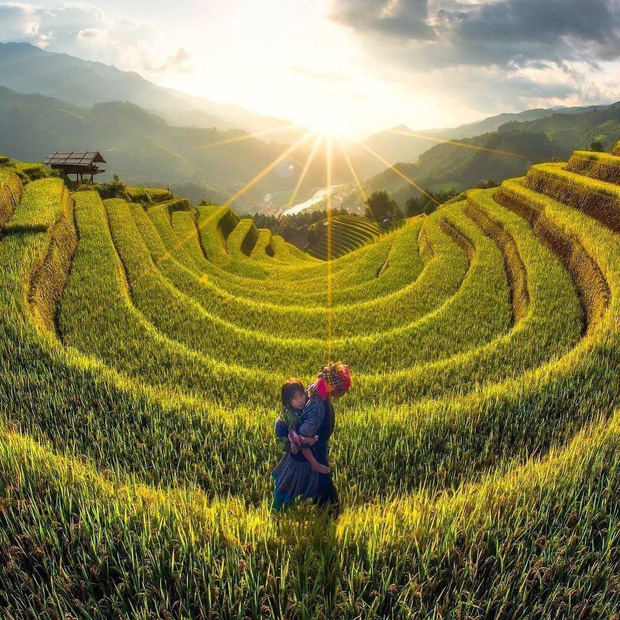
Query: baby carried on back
x=299, y=418
x=303, y=429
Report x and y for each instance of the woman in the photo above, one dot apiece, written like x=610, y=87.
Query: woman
x=294, y=476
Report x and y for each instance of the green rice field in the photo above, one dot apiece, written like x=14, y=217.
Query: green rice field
x=143, y=343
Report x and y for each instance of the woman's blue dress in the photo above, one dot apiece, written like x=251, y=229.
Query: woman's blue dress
x=294, y=477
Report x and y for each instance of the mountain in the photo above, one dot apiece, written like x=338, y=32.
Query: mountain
x=144, y=149
x=402, y=144
x=399, y=143
x=26, y=69
x=507, y=152
x=493, y=123
x=595, y=123
x=155, y=135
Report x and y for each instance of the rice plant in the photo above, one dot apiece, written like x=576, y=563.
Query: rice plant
x=142, y=345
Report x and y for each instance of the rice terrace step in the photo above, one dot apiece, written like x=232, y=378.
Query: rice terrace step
x=448, y=316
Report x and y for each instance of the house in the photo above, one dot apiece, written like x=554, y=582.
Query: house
x=79, y=164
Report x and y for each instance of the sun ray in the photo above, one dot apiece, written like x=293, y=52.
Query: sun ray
x=328, y=158
x=258, y=134
x=349, y=163
x=169, y=253
x=398, y=172
x=310, y=158
x=463, y=145
x=267, y=169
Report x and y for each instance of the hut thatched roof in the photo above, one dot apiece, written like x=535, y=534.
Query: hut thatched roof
x=80, y=160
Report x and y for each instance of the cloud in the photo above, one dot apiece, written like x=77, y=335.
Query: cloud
x=432, y=34
x=20, y=22
x=90, y=33
x=483, y=88
x=86, y=31
x=526, y=87
x=399, y=18
x=62, y=25
x=470, y=93
x=178, y=63
x=467, y=58
x=329, y=76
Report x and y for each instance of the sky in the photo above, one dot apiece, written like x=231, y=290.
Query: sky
x=354, y=66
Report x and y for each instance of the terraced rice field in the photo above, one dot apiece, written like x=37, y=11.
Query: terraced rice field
x=142, y=347
x=348, y=232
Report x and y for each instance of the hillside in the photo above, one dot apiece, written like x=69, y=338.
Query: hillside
x=143, y=148
x=142, y=349
x=347, y=233
x=27, y=69
x=402, y=144
x=569, y=129
x=501, y=154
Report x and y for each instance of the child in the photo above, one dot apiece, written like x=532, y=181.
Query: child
x=296, y=409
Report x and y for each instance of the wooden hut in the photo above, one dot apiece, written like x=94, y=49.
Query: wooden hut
x=79, y=164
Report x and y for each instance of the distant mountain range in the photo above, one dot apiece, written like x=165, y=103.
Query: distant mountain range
x=26, y=68
x=402, y=144
x=202, y=149
x=145, y=150
x=507, y=152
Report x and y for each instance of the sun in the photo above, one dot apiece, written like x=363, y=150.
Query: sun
x=327, y=125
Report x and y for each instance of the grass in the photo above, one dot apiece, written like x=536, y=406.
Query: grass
x=283, y=253
x=550, y=327
x=347, y=234
x=515, y=269
x=214, y=232
x=350, y=285
x=600, y=166
x=219, y=338
x=11, y=189
x=596, y=198
x=141, y=350
x=243, y=238
x=263, y=248
x=162, y=220
x=48, y=279
x=439, y=280
x=590, y=282
x=184, y=226
x=124, y=354
x=149, y=195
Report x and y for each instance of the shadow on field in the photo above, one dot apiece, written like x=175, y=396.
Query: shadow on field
x=18, y=230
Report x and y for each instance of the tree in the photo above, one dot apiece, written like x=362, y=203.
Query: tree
x=414, y=206
x=597, y=146
x=488, y=184
x=380, y=207
x=117, y=185
x=311, y=236
x=430, y=207
x=116, y=188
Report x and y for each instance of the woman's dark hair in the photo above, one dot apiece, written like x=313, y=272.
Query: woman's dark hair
x=289, y=388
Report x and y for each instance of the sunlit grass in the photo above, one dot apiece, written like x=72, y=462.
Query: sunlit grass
x=476, y=456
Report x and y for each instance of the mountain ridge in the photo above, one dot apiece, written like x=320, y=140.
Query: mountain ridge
x=62, y=78
x=507, y=152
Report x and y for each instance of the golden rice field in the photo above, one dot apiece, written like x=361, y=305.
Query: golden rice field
x=142, y=347
x=346, y=234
